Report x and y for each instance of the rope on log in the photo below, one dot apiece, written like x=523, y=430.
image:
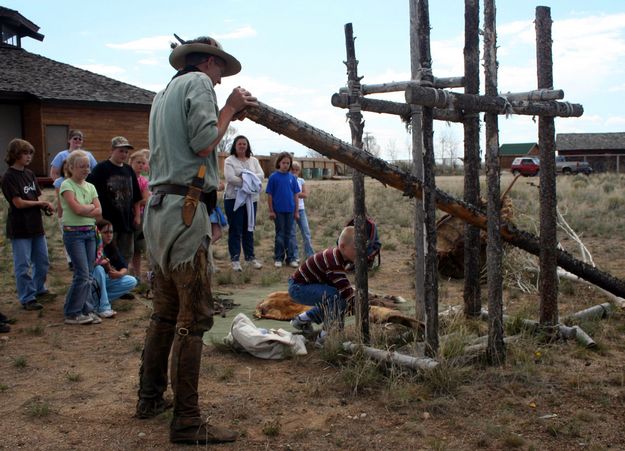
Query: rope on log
x=439, y=98
x=332, y=147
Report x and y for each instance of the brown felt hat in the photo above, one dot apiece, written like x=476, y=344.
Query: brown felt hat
x=204, y=45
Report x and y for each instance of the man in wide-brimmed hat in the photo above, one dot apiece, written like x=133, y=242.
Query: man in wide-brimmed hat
x=185, y=129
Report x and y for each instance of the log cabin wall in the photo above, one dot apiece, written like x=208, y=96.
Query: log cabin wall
x=99, y=125
x=33, y=133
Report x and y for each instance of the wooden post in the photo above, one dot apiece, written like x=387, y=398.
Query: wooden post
x=546, y=143
x=496, y=350
x=472, y=242
x=356, y=125
x=417, y=168
x=429, y=185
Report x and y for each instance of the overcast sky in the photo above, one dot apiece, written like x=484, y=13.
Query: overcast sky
x=292, y=52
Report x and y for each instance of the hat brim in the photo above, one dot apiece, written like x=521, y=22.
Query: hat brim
x=177, y=56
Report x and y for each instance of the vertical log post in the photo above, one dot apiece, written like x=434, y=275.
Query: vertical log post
x=546, y=143
x=471, y=125
x=429, y=184
x=356, y=125
x=496, y=351
x=417, y=168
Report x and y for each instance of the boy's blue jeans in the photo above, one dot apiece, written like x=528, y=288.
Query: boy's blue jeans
x=30, y=265
x=328, y=306
x=284, y=224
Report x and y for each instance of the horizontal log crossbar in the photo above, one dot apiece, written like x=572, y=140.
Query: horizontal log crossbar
x=342, y=100
x=471, y=103
x=395, y=86
x=332, y=147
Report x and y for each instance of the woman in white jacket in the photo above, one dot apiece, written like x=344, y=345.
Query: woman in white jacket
x=240, y=161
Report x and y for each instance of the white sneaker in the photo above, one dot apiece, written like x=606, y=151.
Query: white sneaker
x=79, y=319
x=107, y=313
x=95, y=319
x=256, y=264
x=277, y=264
x=294, y=264
x=236, y=266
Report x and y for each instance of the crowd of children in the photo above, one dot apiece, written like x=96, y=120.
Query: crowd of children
x=95, y=247
x=99, y=272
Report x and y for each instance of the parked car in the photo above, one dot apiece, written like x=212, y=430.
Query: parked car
x=527, y=166
x=564, y=166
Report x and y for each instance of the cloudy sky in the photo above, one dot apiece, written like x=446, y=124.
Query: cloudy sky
x=292, y=52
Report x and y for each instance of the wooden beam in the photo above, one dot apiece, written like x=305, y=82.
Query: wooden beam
x=439, y=98
x=332, y=147
x=538, y=94
x=396, y=86
x=403, y=110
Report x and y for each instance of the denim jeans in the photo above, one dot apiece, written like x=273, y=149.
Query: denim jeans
x=80, y=247
x=284, y=224
x=111, y=289
x=237, y=231
x=302, y=222
x=30, y=265
x=328, y=306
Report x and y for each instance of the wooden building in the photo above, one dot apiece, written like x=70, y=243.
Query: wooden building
x=508, y=152
x=42, y=99
x=604, y=151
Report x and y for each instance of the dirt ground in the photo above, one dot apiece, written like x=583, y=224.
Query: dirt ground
x=74, y=387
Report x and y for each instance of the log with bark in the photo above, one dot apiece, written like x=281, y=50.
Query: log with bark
x=332, y=147
x=440, y=98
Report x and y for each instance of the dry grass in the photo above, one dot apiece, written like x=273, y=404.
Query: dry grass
x=458, y=406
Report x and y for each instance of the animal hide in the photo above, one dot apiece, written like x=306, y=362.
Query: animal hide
x=279, y=306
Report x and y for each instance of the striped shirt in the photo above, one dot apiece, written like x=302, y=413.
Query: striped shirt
x=326, y=267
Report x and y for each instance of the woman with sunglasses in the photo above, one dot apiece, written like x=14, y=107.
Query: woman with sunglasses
x=75, y=141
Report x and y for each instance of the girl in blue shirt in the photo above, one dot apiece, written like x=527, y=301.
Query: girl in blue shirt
x=282, y=189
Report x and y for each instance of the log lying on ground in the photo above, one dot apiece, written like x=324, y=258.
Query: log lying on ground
x=595, y=312
x=334, y=148
x=439, y=98
x=406, y=361
x=567, y=332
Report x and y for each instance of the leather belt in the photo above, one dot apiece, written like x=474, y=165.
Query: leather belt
x=208, y=198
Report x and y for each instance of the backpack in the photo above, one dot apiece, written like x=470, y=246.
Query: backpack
x=374, y=246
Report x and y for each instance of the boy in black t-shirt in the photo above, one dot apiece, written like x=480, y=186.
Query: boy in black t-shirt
x=24, y=224
x=119, y=194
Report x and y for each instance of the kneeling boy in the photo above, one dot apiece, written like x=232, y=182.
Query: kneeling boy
x=322, y=283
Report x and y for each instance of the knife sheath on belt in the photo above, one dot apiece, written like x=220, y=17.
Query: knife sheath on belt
x=192, y=198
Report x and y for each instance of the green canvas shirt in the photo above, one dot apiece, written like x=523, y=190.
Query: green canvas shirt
x=183, y=121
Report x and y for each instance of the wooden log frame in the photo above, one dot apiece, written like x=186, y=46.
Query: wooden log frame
x=332, y=147
x=403, y=110
x=439, y=98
